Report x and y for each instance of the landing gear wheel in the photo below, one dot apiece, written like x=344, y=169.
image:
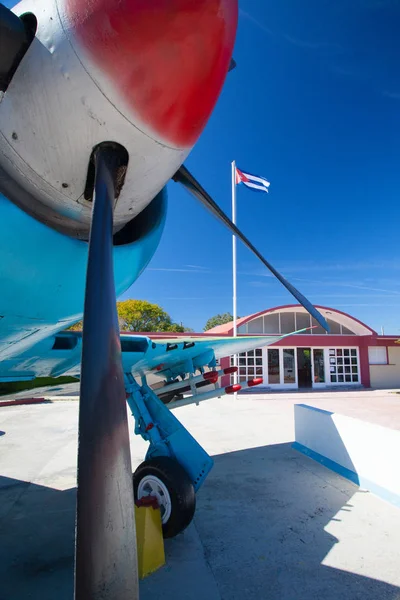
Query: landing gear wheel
x=167, y=480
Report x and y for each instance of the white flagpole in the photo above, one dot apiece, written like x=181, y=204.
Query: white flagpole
x=235, y=358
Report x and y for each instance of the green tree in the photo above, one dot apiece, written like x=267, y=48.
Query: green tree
x=141, y=316
x=218, y=320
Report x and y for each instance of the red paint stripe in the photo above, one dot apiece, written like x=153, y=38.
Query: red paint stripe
x=167, y=58
x=22, y=401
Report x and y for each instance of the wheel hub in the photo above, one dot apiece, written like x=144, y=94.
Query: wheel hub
x=151, y=485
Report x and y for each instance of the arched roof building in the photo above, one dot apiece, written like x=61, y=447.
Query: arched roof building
x=351, y=354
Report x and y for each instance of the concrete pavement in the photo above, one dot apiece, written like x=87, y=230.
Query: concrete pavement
x=270, y=523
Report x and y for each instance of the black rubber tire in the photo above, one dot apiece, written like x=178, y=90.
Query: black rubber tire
x=179, y=486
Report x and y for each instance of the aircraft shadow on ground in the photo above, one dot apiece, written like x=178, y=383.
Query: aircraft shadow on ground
x=261, y=517
x=37, y=529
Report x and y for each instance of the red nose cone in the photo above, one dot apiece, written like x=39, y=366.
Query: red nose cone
x=211, y=376
x=253, y=382
x=167, y=58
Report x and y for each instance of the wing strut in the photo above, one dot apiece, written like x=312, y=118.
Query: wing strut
x=106, y=555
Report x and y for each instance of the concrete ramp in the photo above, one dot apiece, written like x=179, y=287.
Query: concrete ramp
x=365, y=453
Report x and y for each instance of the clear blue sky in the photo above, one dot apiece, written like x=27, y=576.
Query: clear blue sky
x=314, y=106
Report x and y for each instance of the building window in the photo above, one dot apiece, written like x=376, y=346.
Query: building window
x=303, y=320
x=288, y=324
x=347, y=331
x=250, y=365
x=256, y=326
x=273, y=366
x=343, y=365
x=334, y=327
x=377, y=355
x=271, y=323
x=317, y=329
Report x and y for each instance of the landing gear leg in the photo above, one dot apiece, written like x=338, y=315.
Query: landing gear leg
x=175, y=466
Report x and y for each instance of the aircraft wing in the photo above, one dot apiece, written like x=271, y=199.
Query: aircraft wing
x=175, y=356
x=53, y=360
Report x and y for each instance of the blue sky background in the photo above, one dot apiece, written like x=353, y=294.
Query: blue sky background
x=314, y=106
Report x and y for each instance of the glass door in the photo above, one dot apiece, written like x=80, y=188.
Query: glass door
x=318, y=366
x=289, y=367
x=273, y=366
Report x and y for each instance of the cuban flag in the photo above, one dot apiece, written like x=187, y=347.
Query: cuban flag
x=252, y=181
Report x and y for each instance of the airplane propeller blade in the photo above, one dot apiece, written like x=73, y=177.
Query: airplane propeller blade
x=106, y=555
x=184, y=177
x=232, y=65
x=15, y=37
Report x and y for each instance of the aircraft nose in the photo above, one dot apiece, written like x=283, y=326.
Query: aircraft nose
x=166, y=59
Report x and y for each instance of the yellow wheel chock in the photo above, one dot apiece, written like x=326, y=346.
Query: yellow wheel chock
x=149, y=536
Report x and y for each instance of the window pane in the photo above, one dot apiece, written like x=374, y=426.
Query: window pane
x=259, y=352
x=273, y=366
x=355, y=377
x=346, y=331
x=334, y=327
x=333, y=378
x=339, y=352
x=303, y=320
x=377, y=355
x=354, y=352
x=287, y=322
x=288, y=366
x=256, y=326
x=340, y=378
x=271, y=323
x=319, y=369
x=246, y=366
x=348, y=378
x=318, y=329
x=346, y=352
